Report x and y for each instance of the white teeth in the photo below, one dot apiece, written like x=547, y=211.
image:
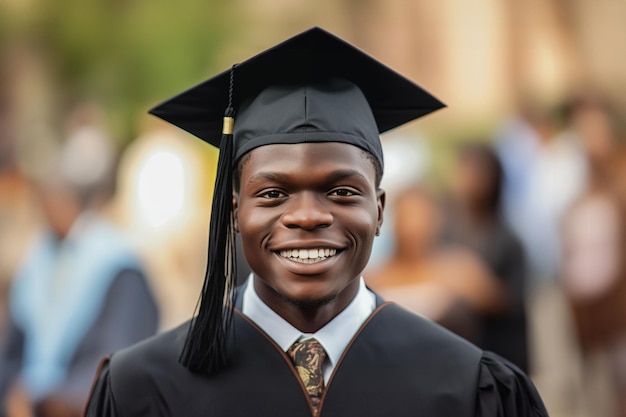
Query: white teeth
x=308, y=256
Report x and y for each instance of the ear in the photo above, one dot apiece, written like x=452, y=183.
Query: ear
x=236, y=211
x=381, y=197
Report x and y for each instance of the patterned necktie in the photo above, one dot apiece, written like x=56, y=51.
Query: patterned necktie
x=308, y=357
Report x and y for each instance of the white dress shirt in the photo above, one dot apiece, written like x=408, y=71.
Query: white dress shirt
x=334, y=336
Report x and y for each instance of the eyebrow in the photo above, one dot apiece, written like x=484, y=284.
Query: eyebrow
x=267, y=176
x=346, y=173
x=333, y=176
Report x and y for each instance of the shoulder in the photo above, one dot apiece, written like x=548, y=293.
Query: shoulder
x=503, y=386
x=135, y=375
x=403, y=360
x=139, y=363
x=404, y=330
x=480, y=380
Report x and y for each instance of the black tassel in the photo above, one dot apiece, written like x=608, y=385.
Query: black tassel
x=205, y=348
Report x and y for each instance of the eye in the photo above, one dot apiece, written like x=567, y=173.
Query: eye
x=271, y=194
x=342, y=192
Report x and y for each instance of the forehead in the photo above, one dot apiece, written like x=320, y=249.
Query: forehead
x=306, y=158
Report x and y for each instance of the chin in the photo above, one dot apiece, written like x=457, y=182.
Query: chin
x=308, y=303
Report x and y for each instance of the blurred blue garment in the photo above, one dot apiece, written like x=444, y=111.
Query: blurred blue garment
x=59, y=292
x=74, y=301
x=543, y=176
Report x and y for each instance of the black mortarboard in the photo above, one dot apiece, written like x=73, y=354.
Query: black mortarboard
x=313, y=87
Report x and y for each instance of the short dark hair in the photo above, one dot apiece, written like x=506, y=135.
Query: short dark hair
x=378, y=169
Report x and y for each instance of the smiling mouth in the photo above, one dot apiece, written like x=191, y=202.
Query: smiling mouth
x=307, y=256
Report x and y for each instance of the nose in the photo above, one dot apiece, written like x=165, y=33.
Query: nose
x=307, y=211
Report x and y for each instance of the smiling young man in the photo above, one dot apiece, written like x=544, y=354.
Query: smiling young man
x=309, y=214
x=298, y=179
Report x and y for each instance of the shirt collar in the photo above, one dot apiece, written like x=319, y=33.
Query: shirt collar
x=334, y=336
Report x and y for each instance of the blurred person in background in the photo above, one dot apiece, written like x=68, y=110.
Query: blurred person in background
x=443, y=282
x=475, y=221
x=544, y=171
x=408, y=159
x=80, y=292
x=593, y=274
x=17, y=214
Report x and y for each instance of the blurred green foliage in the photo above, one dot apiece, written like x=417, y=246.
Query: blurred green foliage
x=124, y=54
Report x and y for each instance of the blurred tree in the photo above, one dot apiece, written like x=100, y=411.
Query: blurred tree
x=124, y=54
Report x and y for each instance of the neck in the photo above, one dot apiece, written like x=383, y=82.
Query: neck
x=473, y=214
x=307, y=316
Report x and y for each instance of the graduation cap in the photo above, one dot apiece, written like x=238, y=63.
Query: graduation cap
x=313, y=87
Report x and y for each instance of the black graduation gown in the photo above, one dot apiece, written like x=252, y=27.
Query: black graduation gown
x=398, y=364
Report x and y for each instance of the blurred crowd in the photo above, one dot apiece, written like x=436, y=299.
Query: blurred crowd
x=519, y=249
x=78, y=289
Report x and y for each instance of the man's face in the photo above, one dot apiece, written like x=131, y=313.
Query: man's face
x=308, y=214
